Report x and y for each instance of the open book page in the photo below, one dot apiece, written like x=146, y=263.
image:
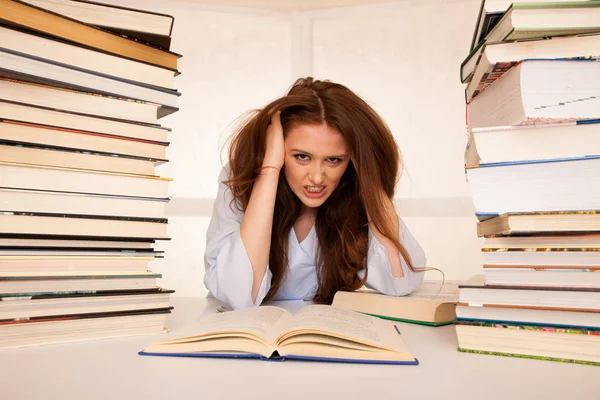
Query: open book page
x=343, y=324
x=223, y=344
x=258, y=324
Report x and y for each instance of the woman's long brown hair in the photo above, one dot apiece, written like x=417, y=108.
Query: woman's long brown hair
x=341, y=222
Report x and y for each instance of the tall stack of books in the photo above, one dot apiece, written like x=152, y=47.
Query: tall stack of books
x=82, y=88
x=533, y=165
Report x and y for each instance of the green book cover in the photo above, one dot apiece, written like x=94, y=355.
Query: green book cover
x=497, y=353
x=411, y=321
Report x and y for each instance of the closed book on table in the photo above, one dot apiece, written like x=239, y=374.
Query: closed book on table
x=566, y=344
x=430, y=304
x=81, y=327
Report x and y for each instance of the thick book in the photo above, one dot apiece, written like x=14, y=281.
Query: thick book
x=431, y=304
x=27, y=176
x=567, y=344
x=539, y=92
x=503, y=144
x=490, y=12
x=41, y=116
x=315, y=333
x=78, y=102
x=579, y=241
x=100, y=253
x=51, y=156
x=74, y=203
x=46, y=136
x=492, y=60
x=80, y=327
x=22, y=66
x=57, y=243
x=49, y=305
x=532, y=316
x=540, y=223
x=536, y=186
x=36, y=283
x=550, y=276
x=38, y=45
x=73, y=264
x=535, y=297
x=26, y=16
x=538, y=20
x=91, y=226
x=543, y=257
x=144, y=26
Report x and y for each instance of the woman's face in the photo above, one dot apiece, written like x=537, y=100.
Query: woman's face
x=316, y=157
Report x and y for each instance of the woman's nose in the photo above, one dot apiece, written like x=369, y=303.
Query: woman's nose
x=316, y=175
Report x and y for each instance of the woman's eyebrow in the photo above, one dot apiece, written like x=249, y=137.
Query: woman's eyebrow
x=301, y=151
x=343, y=155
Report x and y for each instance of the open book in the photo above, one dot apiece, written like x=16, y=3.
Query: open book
x=316, y=332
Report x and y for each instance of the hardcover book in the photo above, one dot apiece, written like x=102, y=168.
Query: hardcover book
x=317, y=333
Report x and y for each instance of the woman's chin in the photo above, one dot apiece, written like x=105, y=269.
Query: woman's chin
x=313, y=203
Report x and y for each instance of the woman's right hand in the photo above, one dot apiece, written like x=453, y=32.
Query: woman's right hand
x=275, y=150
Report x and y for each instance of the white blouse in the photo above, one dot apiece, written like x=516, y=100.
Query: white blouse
x=229, y=273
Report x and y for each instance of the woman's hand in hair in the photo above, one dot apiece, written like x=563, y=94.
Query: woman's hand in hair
x=275, y=150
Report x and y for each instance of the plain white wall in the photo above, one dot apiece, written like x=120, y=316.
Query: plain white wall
x=402, y=57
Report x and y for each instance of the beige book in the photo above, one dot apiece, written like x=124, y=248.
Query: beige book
x=48, y=201
x=76, y=160
x=60, y=226
x=431, y=304
x=27, y=176
x=41, y=116
x=85, y=141
x=316, y=332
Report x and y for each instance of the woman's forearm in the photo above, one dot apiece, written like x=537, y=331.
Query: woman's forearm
x=257, y=224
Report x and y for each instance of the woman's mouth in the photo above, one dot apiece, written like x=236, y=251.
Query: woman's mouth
x=314, y=192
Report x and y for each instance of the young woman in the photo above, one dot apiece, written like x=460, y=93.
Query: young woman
x=304, y=207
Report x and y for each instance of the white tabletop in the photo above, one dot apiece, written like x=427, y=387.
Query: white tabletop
x=112, y=369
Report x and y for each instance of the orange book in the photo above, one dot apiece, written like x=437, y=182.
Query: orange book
x=30, y=17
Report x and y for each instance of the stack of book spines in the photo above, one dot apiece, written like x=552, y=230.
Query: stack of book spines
x=80, y=204
x=539, y=258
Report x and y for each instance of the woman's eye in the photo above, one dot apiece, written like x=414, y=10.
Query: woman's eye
x=334, y=160
x=302, y=157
